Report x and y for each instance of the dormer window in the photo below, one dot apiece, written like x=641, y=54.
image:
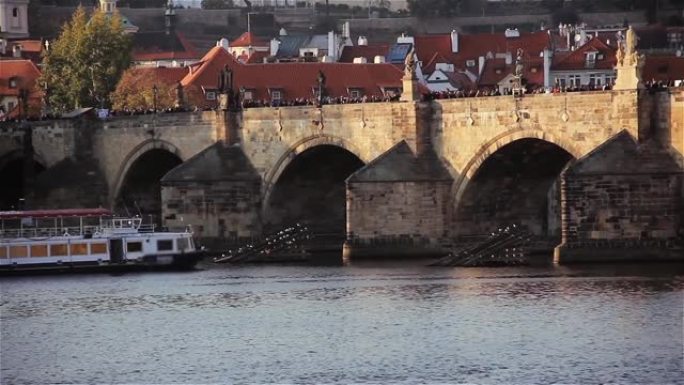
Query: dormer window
x=276, y=94
x=13, y=82
x=470, y=63
x=591, y=59
x=355, y=93
x=599, y=56
x=211, y=95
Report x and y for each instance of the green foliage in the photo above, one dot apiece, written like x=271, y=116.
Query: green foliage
x=434, y=8
x=84, y=64
x=217, y=4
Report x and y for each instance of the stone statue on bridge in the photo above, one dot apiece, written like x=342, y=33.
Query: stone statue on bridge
x=410, y=65
x=225, y=88
x=629, y=63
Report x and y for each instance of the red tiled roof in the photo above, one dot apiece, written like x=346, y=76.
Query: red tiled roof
x=258, y=57
x=496, y=70
x=26, y=73
x=577, y=59
x=473, y=46
x=663, y=68
x=295, y=80
x=349, y=53
x=23, y=70
x=30, y=49
x=248, y=39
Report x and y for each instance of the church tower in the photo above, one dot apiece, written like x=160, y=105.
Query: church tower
x=14, y=19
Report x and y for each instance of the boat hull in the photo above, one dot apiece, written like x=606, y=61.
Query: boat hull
x=160, y=262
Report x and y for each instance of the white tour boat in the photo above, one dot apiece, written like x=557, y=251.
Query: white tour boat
x=69, y=239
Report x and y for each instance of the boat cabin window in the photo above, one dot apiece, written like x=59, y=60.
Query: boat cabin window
x=133, y=247
x=165, y=244
x=79, y=249
x=18, y=251
x=3, y=252
x=98, y=248
x=59, y=249
x=39, y=251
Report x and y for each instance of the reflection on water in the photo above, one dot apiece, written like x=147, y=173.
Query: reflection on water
x=375, y=323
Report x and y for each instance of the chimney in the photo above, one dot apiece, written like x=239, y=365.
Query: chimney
x=454, y=41
x=362, y=41
x=16, y=51
x=332, y=45
x=275, y=43
x=378, y=59
x=223, y=43
x=481, y=63
x=170, y=18
x=547, y=68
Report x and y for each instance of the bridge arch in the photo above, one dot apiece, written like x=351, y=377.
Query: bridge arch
x=13, y=177
x=166, y=154
x=297, y=148
x=543, y=156
x=307, y=185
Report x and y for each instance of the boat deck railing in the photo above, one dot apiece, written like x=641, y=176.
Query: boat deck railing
x=48, y=232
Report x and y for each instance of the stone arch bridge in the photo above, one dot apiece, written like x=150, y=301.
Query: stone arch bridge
x=397, y=178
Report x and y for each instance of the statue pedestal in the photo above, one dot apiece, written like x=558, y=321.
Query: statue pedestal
x=410, y=90
x=628, y=78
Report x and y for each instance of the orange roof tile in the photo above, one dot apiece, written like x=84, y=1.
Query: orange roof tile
x=663, y=68
x=496, y=70
x=295, y=80
x=24, y=73
x=577, y=59
x=248, y=39
x=473, y=46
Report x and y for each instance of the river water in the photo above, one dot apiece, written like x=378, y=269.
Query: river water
x=364, y=323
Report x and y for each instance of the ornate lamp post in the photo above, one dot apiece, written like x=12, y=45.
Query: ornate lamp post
x=154, y=97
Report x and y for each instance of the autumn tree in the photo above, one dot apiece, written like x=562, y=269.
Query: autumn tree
x=143, y=88
x=84, y=64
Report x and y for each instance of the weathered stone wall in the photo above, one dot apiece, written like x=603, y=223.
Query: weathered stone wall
x=466, y=132
x=623, y=201
x=226, y=211
x=273, y=137
x=118, y=142
x=396, y=219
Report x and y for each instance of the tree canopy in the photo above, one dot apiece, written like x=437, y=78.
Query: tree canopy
x=137, y=88
x=84, y=64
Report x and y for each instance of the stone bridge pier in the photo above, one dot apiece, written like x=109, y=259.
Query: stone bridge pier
x=597, y=173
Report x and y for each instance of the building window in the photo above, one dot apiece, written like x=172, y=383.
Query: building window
x=574, y=80
x=356, y=93
x=13, y=82
x=470, y=63
x=15, y=12
x=211, y=95
x=276, y=95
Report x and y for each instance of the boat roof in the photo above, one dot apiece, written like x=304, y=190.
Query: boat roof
x=97, y=212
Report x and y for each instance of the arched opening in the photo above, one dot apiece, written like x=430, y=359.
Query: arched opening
x=311, y=190
x=517, y=184
x=140, y=192
x=15, y=179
